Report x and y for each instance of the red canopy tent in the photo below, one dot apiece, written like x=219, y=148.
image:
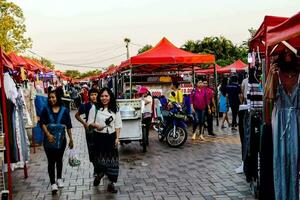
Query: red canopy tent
x=259, y=39
x=166, y=53
x=209, y=70
x=288, y=30
x=7, y=62
x=17, y=60
x=237, y=66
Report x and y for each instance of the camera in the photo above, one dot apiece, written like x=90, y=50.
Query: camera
x=108, y=120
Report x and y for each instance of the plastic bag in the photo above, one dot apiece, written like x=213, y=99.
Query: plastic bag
x=73, y=158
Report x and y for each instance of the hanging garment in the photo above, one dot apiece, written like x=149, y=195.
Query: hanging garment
x=286, y=143
x=22, y=138
x=251, y=142
x=10, y=88
x=266, y=187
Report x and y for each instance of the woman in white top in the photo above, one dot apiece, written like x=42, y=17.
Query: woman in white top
x=147, y=110
x=105, y=120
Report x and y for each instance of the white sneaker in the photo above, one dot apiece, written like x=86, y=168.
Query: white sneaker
x=201, y=137
x=54, y=188
x=60, y=183
x=240, y=169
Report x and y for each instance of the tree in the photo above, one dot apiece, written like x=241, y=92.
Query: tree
x=72, y=73
x=145, y=48
x=223, y=49
x=47, y=63
x=90, y=73
x=12, y=28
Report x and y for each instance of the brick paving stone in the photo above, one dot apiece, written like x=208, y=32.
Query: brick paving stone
x=197, y=170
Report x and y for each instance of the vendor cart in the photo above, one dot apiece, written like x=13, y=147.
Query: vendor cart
x=133, y=129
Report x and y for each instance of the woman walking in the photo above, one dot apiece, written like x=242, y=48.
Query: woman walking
x=105, y=122
x=224, y=103
x=147, y=111
x=54, y=119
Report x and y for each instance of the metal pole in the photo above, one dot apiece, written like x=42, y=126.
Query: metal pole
x=130, y=82
x=5, y=125
x=216, y=94
x=193, y=75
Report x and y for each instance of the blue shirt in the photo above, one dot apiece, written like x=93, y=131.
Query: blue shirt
x=65, y=120
x=233, y=90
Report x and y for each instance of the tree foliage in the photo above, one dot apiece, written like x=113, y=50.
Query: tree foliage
x=77, y=75
x=223, y=49
x=145, y=48
x=72, y=73
x=12, y=28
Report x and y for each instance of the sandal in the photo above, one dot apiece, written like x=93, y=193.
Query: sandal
x=111, y=188
x=97, y=179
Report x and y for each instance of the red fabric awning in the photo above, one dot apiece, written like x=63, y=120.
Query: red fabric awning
x=289, y=29
x=260, y=35
x=237, y=66
x=209, y=70
x=18, y=61
x=7, y=61
x=166, y=53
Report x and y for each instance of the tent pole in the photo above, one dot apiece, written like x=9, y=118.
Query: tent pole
x=130, y=82
x=5, y=126
x=216, y=94
x=193, y=74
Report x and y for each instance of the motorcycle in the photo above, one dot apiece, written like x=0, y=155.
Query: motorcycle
x=171, y=126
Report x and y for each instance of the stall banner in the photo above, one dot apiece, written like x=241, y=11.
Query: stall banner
x=155, y=92
x=165, y=79
x=186, y=88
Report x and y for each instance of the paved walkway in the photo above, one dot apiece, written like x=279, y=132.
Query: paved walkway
x=198, y=170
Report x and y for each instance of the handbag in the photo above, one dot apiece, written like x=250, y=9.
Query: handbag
x=56, y=129
x=90, y=130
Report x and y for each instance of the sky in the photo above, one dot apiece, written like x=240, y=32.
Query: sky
x=90, y=34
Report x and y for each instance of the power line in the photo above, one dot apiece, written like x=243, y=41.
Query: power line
x=139, y=45
x=81, y=65
x=88, y=57
x=84, y=51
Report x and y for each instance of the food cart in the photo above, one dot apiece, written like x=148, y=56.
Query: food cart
x=133, y=129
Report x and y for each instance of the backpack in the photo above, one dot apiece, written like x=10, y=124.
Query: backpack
x=56, y=129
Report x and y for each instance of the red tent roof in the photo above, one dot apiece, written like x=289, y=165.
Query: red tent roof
x=237, y=65
x=260, y=35
x=17, y=60
x=165, y=53
x=6, y=60
x=289, y=29
x=209, y=70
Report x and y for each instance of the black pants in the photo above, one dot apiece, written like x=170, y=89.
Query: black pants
x=234, y=110
x=252, y=141
x=209, y=118
x=147, y=122
x=55, y=156
x=241, y=129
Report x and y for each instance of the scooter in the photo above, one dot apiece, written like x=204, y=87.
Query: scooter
x=171, y=126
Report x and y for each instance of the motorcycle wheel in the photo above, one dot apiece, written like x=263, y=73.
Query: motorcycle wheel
x=178, y=139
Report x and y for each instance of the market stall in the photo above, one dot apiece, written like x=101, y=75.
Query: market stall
x=275, y=35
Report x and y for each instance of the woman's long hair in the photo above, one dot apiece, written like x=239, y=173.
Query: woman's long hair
x=223, y=86
x=58, y=97
x=112, y=105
